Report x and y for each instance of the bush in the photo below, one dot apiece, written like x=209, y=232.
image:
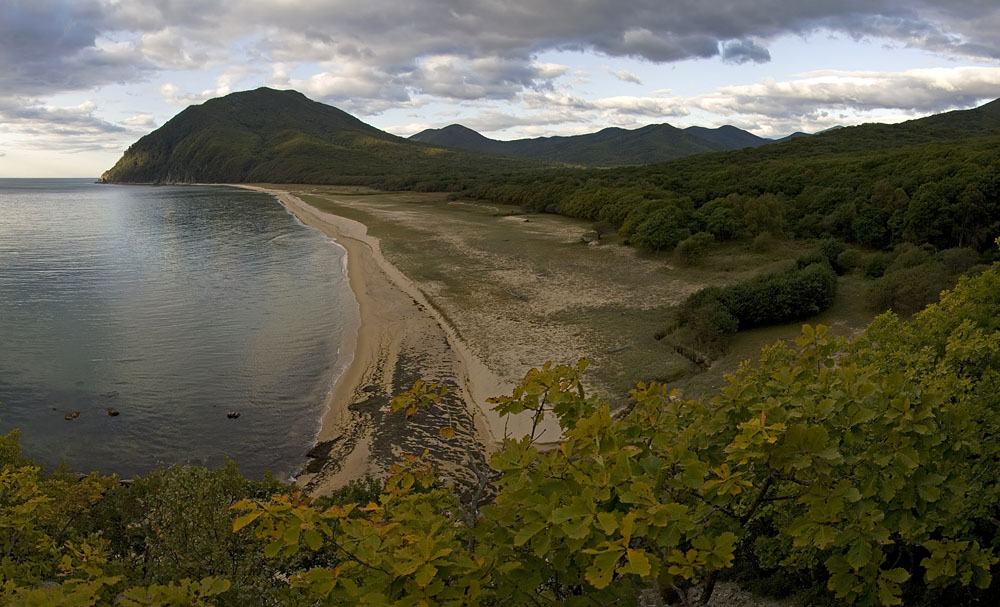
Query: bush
x=763, y=242
x=909, y=290
x=782, y=297
x=908, y=256
x=957, y=261
x=849, y=259
x=694, y=247
x=876, y=266
x=705, y=320
x=831, y=249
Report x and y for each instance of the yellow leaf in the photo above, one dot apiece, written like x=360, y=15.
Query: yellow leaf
x=246, y=519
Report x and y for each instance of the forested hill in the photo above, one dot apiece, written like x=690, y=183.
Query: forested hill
x=284, y=137
x=608, y=147
x=933, y=180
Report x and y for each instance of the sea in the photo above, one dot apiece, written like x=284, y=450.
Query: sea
x=177, y=307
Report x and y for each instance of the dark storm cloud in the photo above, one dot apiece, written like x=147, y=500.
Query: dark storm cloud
x=458, y=49
x=744, y=51
x=51, y=46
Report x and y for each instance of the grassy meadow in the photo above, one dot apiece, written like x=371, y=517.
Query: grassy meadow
x=522, y=288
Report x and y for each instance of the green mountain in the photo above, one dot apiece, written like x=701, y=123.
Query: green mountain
x=463, y=138
x=284, y=137
x=933, y=180
x=728, y=136
x=608, y=147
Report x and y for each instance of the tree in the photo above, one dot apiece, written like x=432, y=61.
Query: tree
x=871, y=458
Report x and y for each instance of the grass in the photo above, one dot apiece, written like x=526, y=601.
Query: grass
x=521, y=289
x=847, y=315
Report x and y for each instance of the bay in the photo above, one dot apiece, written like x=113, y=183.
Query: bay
x=172, y=305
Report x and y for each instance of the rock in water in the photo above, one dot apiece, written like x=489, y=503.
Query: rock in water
x=71, y=416
x=112, y=412
x=233, y=414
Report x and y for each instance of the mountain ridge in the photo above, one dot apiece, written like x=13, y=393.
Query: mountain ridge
x=611, y=146
x=283, y=137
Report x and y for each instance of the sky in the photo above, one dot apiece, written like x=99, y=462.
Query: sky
x=80, y=80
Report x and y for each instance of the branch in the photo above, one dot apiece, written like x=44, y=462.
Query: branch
x=758, y=501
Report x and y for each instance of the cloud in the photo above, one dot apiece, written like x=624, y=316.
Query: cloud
x=172, y=94
x=919, y=90
x=649, y=107
x=817, y=100
x=378, y=55
x=145, y=121
x=50, y=46
x=623, y=75
x=744, y=51
x=74, y=128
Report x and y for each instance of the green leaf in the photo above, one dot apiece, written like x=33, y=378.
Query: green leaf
x=607, y=522
x=528, y=531
x=214, y=586
x=292, y=534
x=425, y=575
x=897, y=575
x=242, y=521
x=825, y=535
x=638, y=563
x=272, y=549
x=602, y=569
x=929, y=493
x=859, y=555
x=576, y=509
x=313, y=539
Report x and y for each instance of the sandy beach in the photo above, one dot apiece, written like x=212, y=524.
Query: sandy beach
x=401, y=338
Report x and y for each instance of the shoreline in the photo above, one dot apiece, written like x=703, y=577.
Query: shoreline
x=399, y=337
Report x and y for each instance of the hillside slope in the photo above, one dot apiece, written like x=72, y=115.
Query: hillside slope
x=284, y=137
x=932, y=180
x=608, y=147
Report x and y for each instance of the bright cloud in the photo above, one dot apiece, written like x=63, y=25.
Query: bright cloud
x=487, y=62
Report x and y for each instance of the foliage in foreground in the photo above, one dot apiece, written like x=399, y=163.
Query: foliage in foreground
x=868, y=465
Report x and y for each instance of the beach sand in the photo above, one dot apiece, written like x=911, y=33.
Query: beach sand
x=401, y=338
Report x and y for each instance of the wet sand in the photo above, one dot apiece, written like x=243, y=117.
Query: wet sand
x=401, y=338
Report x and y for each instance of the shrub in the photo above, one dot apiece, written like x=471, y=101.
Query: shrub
x=910, y=289
x=849, y=259
x=781, y=297
x=763, y=242
x=957, y=261
x=694, y=247
x=704, y=321
x=908, y=256
x=876, y=266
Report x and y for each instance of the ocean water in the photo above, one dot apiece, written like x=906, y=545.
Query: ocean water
x=172, y=305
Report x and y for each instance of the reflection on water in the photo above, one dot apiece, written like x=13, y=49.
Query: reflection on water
x=172, y=305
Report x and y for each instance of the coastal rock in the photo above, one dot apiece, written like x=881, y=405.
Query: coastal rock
x=590, y=236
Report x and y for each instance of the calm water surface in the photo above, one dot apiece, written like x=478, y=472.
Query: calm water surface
x=172, y=305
